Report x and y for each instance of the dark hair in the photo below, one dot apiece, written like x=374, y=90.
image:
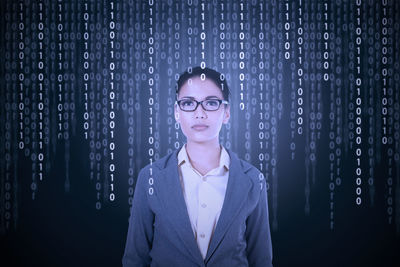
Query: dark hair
x=213, y=75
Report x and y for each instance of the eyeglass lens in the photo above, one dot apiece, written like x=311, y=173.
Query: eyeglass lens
x=191, y=105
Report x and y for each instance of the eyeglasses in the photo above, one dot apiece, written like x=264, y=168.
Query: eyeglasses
x=208, y=104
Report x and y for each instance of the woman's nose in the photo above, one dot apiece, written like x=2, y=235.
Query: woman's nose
x=200, y=112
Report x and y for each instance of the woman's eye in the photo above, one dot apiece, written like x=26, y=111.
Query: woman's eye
x=187, y=103
x=212, y=103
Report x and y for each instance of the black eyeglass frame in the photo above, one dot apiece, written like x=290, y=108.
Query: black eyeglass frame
x=220, y=101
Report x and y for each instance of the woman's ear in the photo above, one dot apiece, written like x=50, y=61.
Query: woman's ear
x=227, y=114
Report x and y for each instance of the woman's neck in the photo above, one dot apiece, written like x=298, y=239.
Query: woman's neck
x=204, y=156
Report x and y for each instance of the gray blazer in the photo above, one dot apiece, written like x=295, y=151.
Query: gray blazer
x=160, y=233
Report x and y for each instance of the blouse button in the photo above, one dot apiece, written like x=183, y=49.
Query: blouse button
x=204, y=179
x=203, y=205
x=202, y=235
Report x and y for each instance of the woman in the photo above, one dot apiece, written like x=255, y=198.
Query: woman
x=200, y=205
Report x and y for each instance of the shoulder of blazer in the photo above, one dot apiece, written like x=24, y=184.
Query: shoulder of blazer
x=255, y=176
x=162, y=163
x=251, y=172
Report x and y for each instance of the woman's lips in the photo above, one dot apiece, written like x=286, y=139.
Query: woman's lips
x=199, y=127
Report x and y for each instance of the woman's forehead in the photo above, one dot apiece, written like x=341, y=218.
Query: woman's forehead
x=201, y=88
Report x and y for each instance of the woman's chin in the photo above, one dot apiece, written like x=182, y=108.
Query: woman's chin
x=200, y=138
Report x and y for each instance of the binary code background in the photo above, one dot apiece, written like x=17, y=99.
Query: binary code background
x=87, y=93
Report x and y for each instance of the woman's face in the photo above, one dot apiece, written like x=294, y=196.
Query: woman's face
x=201, y=126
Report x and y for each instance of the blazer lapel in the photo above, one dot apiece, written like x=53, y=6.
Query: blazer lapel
x=171, y=197
x=236, y=194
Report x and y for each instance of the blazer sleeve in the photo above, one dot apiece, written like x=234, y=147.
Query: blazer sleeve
x=258, y=236
x=140, y=231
